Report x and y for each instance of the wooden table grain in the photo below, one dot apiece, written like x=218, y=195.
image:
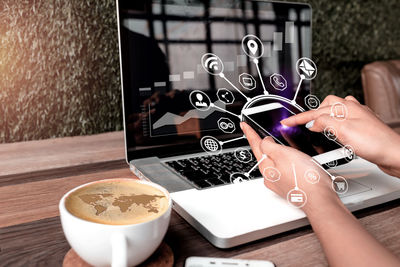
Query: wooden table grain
x=34, y=175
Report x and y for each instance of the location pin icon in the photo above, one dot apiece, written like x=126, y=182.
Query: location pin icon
x=252, y=45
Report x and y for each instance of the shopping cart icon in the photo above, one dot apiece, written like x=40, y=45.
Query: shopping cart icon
x=341, y=186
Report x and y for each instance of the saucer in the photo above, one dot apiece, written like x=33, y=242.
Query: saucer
x=163, y=256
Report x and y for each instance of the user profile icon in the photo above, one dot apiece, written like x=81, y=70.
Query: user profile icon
x=200, y=100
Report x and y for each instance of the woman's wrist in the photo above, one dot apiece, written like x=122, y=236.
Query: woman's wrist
x=320, y=204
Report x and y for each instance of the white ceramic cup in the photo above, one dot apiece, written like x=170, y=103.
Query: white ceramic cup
x=114, y=245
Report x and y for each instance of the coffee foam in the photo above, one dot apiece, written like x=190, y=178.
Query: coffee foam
x=117, y=202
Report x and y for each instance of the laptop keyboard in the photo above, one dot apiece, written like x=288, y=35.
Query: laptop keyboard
x=213, y=170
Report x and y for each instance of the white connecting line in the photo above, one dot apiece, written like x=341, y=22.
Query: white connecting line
x=255, y=166
x=232, y=140
x=295, y=178
x=222, y=109
x=298, y=88
x=228, y=81
x=319, y=165
x=259, y=75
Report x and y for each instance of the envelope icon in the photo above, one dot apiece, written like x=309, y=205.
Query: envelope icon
x=306, y=68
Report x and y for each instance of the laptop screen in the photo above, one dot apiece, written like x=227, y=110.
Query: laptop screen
x=166, y=48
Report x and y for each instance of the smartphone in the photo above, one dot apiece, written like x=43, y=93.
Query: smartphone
x=265, y=120
x=219, y=262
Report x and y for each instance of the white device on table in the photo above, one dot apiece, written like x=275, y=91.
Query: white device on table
x=228, y=214
x=222, y=262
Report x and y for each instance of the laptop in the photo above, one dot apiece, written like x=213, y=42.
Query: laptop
x=190, y=72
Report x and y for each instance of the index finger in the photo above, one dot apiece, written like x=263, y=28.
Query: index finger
x=253, y=138
x=304, y=117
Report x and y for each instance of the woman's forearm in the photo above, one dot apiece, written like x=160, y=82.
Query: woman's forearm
x=344, y=240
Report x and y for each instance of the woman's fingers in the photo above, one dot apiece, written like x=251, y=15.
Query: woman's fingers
x=330, y=100
x=305, y=117
x=270, y=148
x=324, y=121
x=325, y=108
x=351, y=98
x=253, y=139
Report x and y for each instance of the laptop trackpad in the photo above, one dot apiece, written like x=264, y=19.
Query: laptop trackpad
x=237, y=209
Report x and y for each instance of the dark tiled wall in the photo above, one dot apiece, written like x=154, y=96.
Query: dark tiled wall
x=59, y=66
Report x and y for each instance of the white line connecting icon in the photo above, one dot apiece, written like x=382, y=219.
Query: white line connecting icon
x=253, y=47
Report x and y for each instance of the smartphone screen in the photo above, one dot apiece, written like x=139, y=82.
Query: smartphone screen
x=265, y=119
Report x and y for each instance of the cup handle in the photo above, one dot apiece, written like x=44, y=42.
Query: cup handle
x=119, y=250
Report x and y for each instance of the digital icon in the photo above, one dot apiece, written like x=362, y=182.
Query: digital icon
x=212, y=64
x=271, y=174
x=226, y=125
x=340, y=185
x=331, y=164
x=312, y=102
x=247, y=81
x=296, y=196
x=278, y=81
x=348, y=152
x=210, y=144
x=225, y=96
x=243, y=155
x=312, y=176
x=252, y=46
x=339, y=111
x=237, y=178
x=330, y=133
x=200, y=100
x=306, y=68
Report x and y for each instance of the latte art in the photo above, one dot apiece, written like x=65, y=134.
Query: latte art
x=117, y=202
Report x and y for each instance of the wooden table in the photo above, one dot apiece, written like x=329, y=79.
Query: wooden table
x=34, y=175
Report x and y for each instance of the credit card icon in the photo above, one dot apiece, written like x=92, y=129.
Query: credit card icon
x=296, y=198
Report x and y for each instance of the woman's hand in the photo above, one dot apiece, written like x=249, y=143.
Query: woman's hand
x=338, y=230
x=286, y=160
x=361, y=128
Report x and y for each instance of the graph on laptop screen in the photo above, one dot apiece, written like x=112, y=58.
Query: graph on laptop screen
x=162, y=44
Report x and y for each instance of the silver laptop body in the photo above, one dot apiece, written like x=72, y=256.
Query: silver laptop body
x=158, y=65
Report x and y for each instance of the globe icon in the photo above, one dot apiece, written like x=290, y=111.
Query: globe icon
x=211, y=145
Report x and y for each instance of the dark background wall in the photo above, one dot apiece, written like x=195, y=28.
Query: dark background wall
x=59, y=66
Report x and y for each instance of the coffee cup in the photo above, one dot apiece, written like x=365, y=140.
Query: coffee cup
x=101, y=234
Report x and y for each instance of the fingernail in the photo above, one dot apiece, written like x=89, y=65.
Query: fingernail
x=241, y=125
x=310, y=124
x=283, y=121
